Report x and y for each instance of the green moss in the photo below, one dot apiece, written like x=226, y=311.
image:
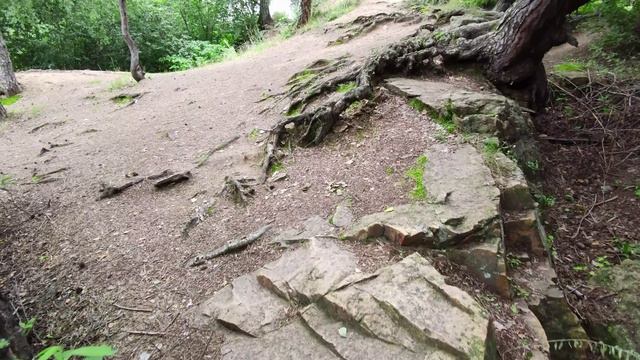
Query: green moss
x=417, y=105
x=569, y=66
x=303, y=76
x=295, y=110
x=254, y=134
x=122, y=99
x=10, y=100
x=275, y=167
x=346, y=87
x=354, y=108
x=121, y=83
x=416, y=173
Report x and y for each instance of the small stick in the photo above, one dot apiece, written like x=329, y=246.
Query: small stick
x=217, y=148
x=589, y=212
x=149, y=333
x=230, y=246
x=122, y=307
x=111, y=191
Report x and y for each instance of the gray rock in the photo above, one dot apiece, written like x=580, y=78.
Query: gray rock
x=312, y=227
x=514, y=189
x=343, y=217
x=409, y=306
x=465, y=202
x=291, y=342
x=546, y=300
x=244, y=306
x=474, y=111
x=485, y=261
x=356, y=344
x=306, y=274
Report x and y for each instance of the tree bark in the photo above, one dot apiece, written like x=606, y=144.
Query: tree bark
x=265, y=19
x=3, y=112
x=8, y=84
x=503, y=5
x=305, y=12
x=136, y=69
x=528, y=29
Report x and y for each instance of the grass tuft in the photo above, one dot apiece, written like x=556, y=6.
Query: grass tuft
x=10, y=100
x=416, y=173
x=346, y=87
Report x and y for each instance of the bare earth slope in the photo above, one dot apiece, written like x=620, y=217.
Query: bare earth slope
x=97, y=257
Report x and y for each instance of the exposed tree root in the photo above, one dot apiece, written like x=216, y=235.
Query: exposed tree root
x=506, y=44
x=230, y=246
x=365, y=24
x=239, y=189
x=205, y=157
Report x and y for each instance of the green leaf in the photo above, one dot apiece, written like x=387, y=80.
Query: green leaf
x=51, y=351
x=4, y=343
x=99, y=351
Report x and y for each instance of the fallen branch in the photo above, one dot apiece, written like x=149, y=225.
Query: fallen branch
x=173, y=179
x=230, y=246
x=111, y=191
x=595, y=204
x=203, y=159
x=164, y=173
x=132, y=308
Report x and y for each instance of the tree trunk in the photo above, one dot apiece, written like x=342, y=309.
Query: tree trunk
x=8, y=83
x=136, y=69
x=528, y=29
x=265, y=19
x=3, y=112
x=305, y=12
x=503, y=5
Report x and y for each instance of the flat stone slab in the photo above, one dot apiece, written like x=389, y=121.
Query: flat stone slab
x=306, y=274
x=403, y=311
x=291, y=342
x=409, y=305
x=315, y=226
x=244, y=306
x=463, y=201
x=475, y=111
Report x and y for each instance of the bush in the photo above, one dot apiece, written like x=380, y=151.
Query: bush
x=194, y=53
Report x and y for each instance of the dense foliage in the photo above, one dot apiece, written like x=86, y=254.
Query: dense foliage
x=85, y=34
x=621, y=21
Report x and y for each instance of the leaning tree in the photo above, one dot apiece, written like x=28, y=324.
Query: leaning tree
x=509, y=46
x=8, y=84
x=137, y=72
x=305, y=12
x=264, y=18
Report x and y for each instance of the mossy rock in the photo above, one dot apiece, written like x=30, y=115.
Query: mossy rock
x=623, y=280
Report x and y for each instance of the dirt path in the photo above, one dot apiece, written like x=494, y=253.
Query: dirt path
x=92, y=258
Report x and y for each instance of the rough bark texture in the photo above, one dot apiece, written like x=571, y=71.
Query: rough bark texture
x=8, y=83
x=136, y=69
x=3, y=112
x=503, y=5
x=265, y=19
x=18, y=347
x=528, y=29
x=305, y=12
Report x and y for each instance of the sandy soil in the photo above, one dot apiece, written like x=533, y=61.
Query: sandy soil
x=83, y=260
